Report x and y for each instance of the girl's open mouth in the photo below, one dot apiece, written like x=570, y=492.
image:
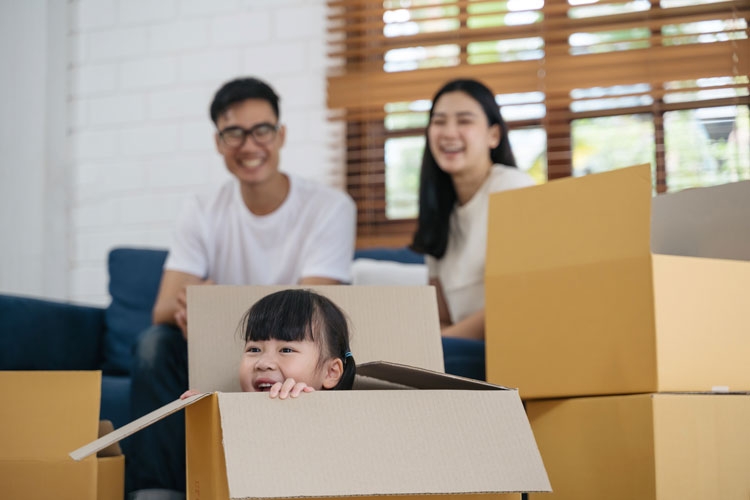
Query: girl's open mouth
x=263, y=385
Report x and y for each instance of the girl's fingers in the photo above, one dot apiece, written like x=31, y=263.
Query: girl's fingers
x=289, y=388
x=275, y=388
x=188, y=393
x=286, y=388
x=299, y=389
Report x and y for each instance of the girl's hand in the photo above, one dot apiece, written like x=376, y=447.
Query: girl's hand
x=289, y=387
x=188, y=393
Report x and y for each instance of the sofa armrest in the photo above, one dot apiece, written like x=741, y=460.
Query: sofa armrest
x=38, y=334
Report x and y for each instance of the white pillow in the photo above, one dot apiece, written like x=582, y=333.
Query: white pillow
x=387, y=272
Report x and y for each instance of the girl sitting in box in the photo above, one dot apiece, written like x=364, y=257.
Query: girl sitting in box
x=296, y=341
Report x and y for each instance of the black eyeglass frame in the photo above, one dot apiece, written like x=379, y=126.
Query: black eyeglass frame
x=265, y=128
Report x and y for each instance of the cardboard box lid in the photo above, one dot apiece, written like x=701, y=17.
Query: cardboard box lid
x=410, y=377
x=45, y=414
x=709, y=222
x=383, y=442
x=105, y=427
x=570, y=222
x=393, y=323
x=613, y=216
x=126, y=430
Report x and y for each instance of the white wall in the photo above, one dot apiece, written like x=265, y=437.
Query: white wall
x=141, y=77
x=34, y=171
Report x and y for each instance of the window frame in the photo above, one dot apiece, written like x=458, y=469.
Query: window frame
x=360, y=87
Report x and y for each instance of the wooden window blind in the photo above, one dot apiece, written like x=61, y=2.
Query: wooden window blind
x=576, y=59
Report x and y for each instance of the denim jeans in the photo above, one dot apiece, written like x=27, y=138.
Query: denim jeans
x=464, y=357
x=155, y=456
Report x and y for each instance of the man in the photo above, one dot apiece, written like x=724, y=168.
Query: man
x=263, y=227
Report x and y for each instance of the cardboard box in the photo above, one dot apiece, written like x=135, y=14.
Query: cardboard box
x=646, y=446
x=44, y=414
x=591, y=292
x=460, y=437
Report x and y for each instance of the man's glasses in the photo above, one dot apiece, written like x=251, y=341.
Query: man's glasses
x=262, y=133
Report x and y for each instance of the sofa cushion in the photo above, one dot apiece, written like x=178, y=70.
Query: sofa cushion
x=115, y=402
x=399, y=254
x=38, y=334
x=134, y=277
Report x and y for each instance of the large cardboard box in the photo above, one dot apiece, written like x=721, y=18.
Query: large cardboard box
x=592, y=289
x=456, y=436
x=645, y=446
x=44, y=415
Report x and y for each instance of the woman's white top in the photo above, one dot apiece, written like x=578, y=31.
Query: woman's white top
x=461, y=270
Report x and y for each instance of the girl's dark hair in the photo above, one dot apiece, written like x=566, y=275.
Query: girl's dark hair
x=239, y=90
x=437, y=195
x=297, y=315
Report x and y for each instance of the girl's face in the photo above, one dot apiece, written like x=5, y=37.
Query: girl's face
x=459, y=134
x=266, y=362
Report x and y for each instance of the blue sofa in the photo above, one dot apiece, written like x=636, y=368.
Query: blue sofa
x=40, y=334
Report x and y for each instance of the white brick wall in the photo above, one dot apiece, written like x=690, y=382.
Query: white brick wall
x=148, y=73
x=142, y=74
x=182, y=34
x=242, y=30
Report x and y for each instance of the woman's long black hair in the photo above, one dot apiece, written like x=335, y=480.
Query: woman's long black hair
x=296, y=315
x=437, y=195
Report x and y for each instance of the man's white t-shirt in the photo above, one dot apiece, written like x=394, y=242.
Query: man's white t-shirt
x=461, y=269
x=311, y=234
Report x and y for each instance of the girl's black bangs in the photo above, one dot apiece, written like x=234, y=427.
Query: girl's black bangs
x=286, y=317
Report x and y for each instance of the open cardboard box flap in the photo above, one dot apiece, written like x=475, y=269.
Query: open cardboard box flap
x=47, y=413
x=373, y=374
x=44, y=415
x=614, y=216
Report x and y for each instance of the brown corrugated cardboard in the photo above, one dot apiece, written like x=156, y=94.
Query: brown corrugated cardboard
x=348, y=443
x=396, y=324
x=110, y=475
x=110, y=478
x=351, y=443
x=647, y=446
x=577, y=303
x=43, y=415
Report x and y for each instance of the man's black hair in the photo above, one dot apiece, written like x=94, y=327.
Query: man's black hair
x=239, y=90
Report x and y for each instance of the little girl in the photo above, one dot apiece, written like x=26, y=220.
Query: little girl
x=295, y=341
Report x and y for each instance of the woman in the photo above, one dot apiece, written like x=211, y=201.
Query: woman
x=467, y=157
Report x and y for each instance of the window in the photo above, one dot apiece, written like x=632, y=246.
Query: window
x=706, y=146
x=584, y=85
